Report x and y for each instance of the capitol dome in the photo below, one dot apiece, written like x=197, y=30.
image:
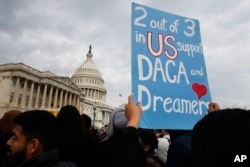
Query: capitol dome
x=88, y=77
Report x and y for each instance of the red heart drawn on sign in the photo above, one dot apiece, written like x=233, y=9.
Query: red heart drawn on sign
x=200, y=90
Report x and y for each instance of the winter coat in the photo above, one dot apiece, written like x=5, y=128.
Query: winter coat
x=120, y=151
x=47, y=159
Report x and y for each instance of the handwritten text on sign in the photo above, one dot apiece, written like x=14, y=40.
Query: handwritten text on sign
x=168, y=69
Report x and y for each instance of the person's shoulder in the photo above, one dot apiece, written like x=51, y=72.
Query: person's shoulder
x=162, y=142
x=182, y=143
x=105, y=145
x=185, y=138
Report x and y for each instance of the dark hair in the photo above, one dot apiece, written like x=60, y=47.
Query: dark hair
x=67, y=114
x=219, y=136
x=86, y=120
x=38, y=124
x=149, y=138
x=73, y=142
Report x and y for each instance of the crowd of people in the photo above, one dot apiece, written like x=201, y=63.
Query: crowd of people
x=39, y=139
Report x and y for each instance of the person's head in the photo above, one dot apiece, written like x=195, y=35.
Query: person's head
x=117, y=123
x=219, y=136
x=158, y=133
x=101, y=131
x=6, y=123
x=34, y=133
x=86, y=121
x=69, y=118
x=164, y=132
x=106, y=128
x=148, y=140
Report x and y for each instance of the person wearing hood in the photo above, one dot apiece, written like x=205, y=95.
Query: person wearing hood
x=121, y=146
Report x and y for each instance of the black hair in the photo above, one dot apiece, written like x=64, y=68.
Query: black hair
x=73, y=141
x=67, y=114
x=149, y=138
x=38, y=124
x=219, y=136
x=86, y=120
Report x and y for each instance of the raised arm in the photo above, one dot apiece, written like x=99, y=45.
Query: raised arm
x=129, y=151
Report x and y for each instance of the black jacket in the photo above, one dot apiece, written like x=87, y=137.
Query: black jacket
x=120, y=151
x=47, y=159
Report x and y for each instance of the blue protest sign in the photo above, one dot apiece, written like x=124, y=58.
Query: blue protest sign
x=168, y=69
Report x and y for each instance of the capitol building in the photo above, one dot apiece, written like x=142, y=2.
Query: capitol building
x=25, y=88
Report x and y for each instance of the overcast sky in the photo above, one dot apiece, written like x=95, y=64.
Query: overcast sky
x=55, y=35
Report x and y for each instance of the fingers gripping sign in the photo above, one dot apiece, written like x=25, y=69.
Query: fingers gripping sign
x=213, y=107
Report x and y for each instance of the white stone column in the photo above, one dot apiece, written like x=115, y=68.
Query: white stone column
x=50, y=96
x=55, y=98
x=16, y=92
x=70, y=98
x=23, y=100
x=66, y=98
x=107, y=117
x=74, y=100
x=44, y=96
x=61, y=99
x=31, y=96
x=37, y=95
x=104, y=119
x=78, y=103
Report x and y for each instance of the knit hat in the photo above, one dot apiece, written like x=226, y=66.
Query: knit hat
x=117, y=121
